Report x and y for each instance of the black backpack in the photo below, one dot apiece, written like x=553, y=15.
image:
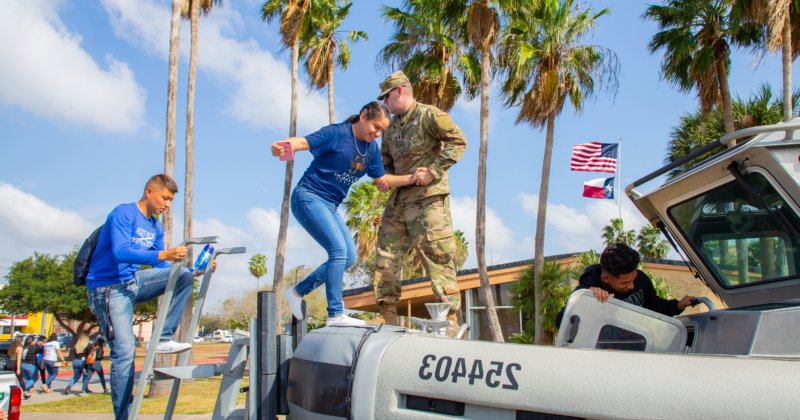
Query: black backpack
x=84, y=258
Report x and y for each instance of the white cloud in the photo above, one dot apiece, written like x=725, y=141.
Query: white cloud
x=261, y=84
x=575, y=230
x=28, y=224
x=47, y=73
x=502, y=244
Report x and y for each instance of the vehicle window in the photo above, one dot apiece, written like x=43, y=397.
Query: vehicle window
x=615, y=338
x=737, y=239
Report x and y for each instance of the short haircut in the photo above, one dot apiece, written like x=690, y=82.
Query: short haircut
x=407, y=88
x=618, y=259
x=164, y=181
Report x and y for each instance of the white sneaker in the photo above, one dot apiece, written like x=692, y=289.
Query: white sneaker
x=344, y=321
x=295, y=303
x=170, y=347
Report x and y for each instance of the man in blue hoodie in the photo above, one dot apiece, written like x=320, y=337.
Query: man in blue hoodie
x=132, y=236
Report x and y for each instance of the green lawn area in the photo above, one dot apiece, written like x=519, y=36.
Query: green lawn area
x=196, y=398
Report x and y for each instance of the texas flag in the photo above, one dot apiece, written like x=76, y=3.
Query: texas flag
x=599, y=188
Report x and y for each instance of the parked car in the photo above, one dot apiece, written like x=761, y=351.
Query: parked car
x=64, y=339
x=226, y=339
x=208, y=336
x=197, y=339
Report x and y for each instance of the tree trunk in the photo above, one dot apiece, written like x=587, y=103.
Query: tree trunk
x=727, y=109
x=184, y=334
x=541, y=218
x=480, y=222
x=280, y=252
x=787, y=66
x=330, y=90
x=172, y=92
x=159, y=388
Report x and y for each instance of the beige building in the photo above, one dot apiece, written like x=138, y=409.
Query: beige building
x=417, y=292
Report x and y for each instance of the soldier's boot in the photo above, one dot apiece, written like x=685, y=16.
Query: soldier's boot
x=389, y=313
x=451, y=316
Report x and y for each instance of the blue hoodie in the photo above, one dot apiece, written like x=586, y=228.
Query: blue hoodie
x=127, y=240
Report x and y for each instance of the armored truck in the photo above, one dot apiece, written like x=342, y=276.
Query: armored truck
x=734, y=217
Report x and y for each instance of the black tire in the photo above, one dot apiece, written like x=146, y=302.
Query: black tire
x=3, y=361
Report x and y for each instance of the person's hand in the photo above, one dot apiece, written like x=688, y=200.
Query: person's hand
x=18, y=372
x=3, y=414
x=422, y=176
x=174, y=254
x=198, y=273
x=601, y=294
x=683, y=303
x=382, y=185
x=278, y=149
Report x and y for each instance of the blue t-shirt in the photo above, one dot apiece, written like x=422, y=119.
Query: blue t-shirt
x=127, y=240
x=337, y=164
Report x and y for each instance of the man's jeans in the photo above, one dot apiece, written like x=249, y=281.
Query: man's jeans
x=147, y=285
x=321, y=219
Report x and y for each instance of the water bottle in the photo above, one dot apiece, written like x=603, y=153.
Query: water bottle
x=202, y=259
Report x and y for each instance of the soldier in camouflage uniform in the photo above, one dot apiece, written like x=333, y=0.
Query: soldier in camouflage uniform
x=423, y=140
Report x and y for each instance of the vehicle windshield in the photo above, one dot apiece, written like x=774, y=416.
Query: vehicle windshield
x=737, y=238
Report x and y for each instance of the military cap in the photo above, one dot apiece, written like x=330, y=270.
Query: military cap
x=394, y=80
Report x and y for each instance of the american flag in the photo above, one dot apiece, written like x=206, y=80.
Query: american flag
x=594, y=157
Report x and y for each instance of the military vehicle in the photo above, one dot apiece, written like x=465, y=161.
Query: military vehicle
x=736, y=218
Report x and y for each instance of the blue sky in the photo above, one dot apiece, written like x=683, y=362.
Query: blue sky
x=82, y=116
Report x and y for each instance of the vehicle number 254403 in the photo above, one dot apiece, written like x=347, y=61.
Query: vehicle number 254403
x=445, y=369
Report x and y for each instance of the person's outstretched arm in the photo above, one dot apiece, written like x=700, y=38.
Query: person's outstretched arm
x=298, y=144
x=390, y=181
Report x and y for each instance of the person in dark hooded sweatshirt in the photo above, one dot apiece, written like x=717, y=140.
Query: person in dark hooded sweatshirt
x=617, y=277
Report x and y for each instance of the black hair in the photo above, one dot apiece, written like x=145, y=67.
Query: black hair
x=53, y=337
x=29, y=341
x=618, y=259
x=371, y=111
x=100, y=341
x=164, y=181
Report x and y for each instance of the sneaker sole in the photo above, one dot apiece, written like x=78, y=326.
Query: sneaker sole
x=173, y=351
x=286, y=296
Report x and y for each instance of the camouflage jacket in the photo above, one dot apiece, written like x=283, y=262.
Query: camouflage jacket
x=422, y=137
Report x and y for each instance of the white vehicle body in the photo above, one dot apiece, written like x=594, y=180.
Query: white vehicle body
x=10, y=394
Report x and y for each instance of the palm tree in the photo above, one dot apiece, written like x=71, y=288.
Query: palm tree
x=159, y=388
x=258, y=268
x=615, y=233
x=696, y=129
x=320, y=45
x=480, y=28
x=545, y=61
x=364, y=206
x=426, y=47
x=777, y=16
x=697, y=37
x=649, y=245
x=554, y=296
x=294, y=23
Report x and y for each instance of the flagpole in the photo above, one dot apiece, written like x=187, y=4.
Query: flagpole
x=619, y=175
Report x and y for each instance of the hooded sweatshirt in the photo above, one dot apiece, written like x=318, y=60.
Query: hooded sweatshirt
x=643, y=293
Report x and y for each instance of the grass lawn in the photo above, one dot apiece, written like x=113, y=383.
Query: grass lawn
x=202, y=351
x=196, y=398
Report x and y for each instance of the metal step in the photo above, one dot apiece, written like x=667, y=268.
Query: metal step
x=188, y=372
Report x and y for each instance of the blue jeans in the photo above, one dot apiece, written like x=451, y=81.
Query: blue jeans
x=52, y=371
x=320, y=218
x=78, y=370
x=30, y=374
x=90, y=370
x=146, y=286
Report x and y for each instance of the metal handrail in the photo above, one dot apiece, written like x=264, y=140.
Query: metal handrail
x=723, y=141
x=158, y=328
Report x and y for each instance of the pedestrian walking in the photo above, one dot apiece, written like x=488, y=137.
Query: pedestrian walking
x=30, y=373
x=343, y=153
x=52, y=353
x=95, y=367
x=82, y=349
x=14, y=360
x=40, y=365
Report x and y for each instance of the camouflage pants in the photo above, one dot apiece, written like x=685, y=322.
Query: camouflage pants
x=426, y=225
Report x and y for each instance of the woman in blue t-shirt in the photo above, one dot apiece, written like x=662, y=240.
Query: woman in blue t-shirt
x=343, y=153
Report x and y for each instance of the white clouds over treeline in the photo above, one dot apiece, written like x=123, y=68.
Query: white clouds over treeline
x=47, y=73
x=261, y=84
